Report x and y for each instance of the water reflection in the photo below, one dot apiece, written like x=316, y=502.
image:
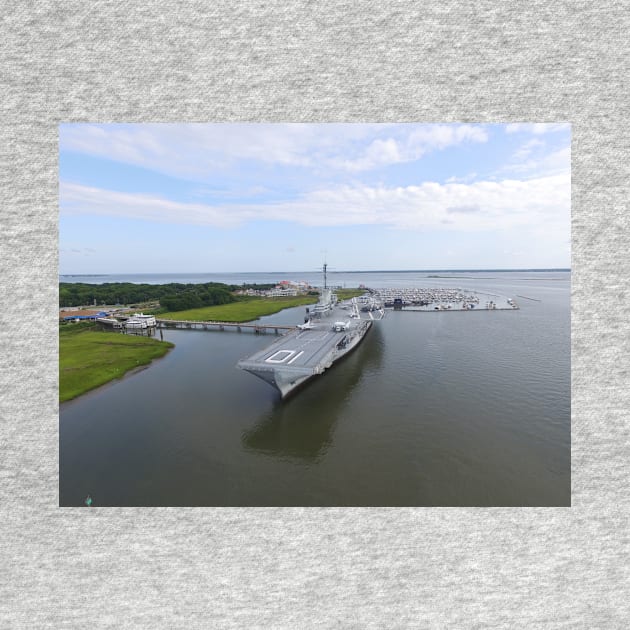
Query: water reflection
x=302, y=426
x=431, y=409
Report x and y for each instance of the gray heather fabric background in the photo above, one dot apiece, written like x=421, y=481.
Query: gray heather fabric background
x=301, y=61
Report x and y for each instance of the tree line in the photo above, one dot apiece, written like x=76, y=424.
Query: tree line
x=174, y=296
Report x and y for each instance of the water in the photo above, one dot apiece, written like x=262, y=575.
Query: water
x=314, y=278
x=451, y=408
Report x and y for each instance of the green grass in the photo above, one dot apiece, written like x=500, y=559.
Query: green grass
x=245, y=310
x=345, y=294
x=90, y=359
x=73, y=328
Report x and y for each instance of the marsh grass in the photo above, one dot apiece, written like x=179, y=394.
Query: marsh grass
x=89, y=359
x=245, y=310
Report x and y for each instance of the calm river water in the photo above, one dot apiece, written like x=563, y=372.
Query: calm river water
x=432, y=409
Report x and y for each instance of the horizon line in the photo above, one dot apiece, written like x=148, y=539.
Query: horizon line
x=157, y=273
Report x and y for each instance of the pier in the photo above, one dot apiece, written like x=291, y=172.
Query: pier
x=259, y=329
x=112, y=324
x=430, y=299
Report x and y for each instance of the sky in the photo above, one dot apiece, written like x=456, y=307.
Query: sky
x=204, y=198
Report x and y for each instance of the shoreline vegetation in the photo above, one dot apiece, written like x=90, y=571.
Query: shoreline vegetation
x=250, y=308
x=173, y=296
x=245, y=310
x=89, y=357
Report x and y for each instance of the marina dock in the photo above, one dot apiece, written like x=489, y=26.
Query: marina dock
x=442, y=299
x=428, y=299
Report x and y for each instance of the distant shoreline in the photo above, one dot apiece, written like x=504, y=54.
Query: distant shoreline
x=331, y=272
x=487, y=278
x=467, y=277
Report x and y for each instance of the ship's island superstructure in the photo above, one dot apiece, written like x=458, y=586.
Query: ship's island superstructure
x=330, y=331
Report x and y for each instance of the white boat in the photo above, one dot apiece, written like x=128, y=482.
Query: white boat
x=135, y=324
x=109, y=321
x=141, y=317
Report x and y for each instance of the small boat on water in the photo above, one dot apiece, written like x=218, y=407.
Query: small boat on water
x=145, y=320
x=109, y=322
x=135, y=324
x=140, y=321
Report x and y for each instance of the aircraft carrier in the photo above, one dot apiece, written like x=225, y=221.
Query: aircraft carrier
x=331, y=330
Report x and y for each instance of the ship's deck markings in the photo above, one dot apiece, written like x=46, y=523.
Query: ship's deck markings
x=276, y=358
x=297, y=356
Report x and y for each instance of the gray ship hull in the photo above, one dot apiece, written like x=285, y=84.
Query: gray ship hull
x=303, y=354
x=331, y=331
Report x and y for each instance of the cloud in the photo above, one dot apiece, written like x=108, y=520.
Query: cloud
x=528, y=148
x=76, y=199
x=198, y=151
x=86, y=251
x=558, y=161
x=537, y=128
x=378, y=153
x=463, y=209
x=192, y=151
x=506, y=204
x=442, y=136
x=465, y=178
x=419, y=141
x=227, y=193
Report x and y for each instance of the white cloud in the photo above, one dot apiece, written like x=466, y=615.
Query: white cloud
x=230, y=193
x=195, y=151
x=528, y=148
x=536, y=128
x=192, y=151
x=378, y=153
x=465, y=179
x=556, y=162
x=76, y=199
x=442, y=136
x=75, y=249
x=413, y=145
x=486, y=205
x=463, y=209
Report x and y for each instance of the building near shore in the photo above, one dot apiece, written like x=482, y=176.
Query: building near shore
x=285, y=288
x=81, y=315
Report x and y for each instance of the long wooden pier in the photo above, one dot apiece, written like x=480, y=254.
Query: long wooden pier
x=259, y=329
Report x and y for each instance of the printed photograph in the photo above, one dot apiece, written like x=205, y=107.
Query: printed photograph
x=332, y=314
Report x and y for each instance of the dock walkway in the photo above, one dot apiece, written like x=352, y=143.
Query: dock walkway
x=259, y=329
